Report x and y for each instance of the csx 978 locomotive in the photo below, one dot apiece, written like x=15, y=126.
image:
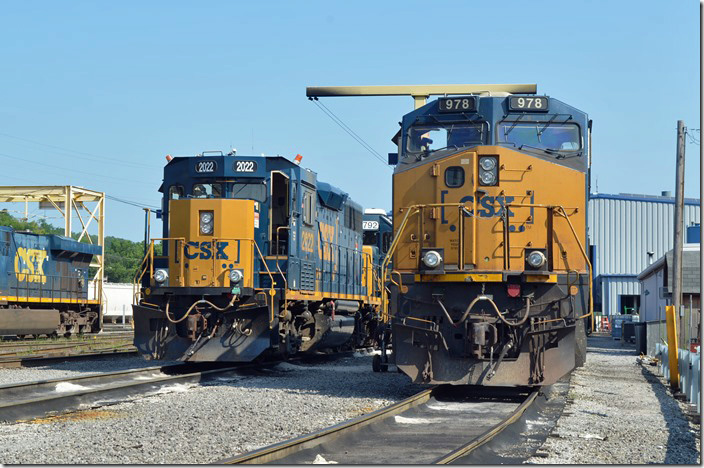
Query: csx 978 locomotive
x=258, y=257
x=44, y=285
x=490, y=282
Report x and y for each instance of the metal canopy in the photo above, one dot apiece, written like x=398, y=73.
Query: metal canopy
x=420, y=93
x=67, y=200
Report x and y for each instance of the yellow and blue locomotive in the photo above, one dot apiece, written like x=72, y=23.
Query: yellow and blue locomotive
x=44, y=285
x=490, y=282
x=259, y=257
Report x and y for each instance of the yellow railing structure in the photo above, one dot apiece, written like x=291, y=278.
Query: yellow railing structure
x=416, y=209
x=148, y=265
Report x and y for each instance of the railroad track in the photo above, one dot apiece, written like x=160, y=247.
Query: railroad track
x=436, y=426
x=36, y=399
x=38, y=359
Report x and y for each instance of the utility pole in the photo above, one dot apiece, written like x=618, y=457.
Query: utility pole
x=679, y=211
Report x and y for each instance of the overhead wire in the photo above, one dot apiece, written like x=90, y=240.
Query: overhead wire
x=349, y=131
x=71, y=170
x=85, y=155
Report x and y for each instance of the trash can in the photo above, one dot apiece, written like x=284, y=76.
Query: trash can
x=628, y=332
x=641, y=338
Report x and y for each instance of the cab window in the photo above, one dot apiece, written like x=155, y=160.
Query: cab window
x=308, y=208
x=207, y=191
x=546, y=136
x=454, y=177
x=429, y=138
x=249, y=191
x=176, y=192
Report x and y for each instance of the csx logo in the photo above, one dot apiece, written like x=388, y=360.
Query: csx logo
x=29, y=265
x=204, y=250
x=488, y=207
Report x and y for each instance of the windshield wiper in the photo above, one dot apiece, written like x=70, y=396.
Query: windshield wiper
x=559, y=154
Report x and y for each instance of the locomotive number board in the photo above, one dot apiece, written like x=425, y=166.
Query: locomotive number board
x=458, y=104
x=528, y=103
x=206, y=166
x=245, y=166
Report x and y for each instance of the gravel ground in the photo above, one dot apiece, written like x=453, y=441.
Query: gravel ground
x=619, y=412
x=206, y=423
x=75, y=369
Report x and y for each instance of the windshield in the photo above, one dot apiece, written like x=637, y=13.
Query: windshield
x=249, y=191
x=428, y=138
x=541, y=135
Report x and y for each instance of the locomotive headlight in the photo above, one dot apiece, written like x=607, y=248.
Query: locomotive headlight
x=206, y=217
x=206, y=222
x=487, y=163
x=432, y=259
x=536, y=259
x=488, y=170
x=161, y=275
x=487, y=178
x=236, y=276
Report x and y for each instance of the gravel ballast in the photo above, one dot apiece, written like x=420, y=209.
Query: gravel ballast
x=209, y=422
x=619, y=412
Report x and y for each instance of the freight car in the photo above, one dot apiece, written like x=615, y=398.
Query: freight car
x=491, y=280
x=44, y=285
x=259, y=257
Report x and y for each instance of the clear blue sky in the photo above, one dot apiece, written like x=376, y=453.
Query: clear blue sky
x=110, y=88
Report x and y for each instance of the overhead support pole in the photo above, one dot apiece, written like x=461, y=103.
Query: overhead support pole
x=420, y=93
x=678, y=221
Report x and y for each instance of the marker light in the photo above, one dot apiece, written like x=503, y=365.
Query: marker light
x=432, y=259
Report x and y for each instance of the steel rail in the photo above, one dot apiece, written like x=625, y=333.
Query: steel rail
x=44, y=359
x=35, y=399
x=276, y=451
x=325, y=439
x=488, y=435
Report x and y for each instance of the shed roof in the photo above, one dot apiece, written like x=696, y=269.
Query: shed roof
x=691, y=269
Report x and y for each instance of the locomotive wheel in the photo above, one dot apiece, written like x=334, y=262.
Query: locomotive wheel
x=21, y=337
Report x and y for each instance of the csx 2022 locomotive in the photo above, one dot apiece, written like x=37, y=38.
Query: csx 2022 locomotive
x=44, y=285
x=258, y=257
x=491, y=282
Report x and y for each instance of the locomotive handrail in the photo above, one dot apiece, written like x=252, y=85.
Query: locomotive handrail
x=564, y=214
x=411, y=210
x=181, y=241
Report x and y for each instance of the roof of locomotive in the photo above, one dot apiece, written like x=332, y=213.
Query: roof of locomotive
x=179, y=169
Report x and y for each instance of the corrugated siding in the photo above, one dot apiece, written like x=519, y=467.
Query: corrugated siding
x=612, y=288
x=624, y=230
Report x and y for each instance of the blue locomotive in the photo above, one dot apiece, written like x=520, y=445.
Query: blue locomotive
x=44, y=288
x=258, y=256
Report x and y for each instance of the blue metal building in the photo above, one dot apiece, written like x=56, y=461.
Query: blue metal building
x=627, y=232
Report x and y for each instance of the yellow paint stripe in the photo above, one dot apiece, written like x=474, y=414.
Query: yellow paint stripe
x=541, y=278
x=318, y=296
x=48, y=300
x=460, y=277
